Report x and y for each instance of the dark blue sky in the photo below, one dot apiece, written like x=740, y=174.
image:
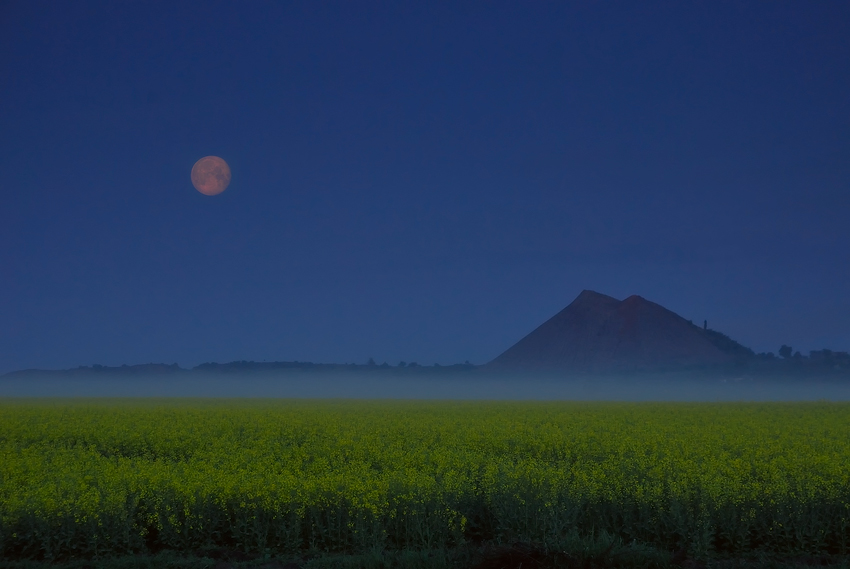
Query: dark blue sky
x=415, y=182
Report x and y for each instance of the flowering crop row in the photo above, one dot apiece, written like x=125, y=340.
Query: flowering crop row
x=102, y=478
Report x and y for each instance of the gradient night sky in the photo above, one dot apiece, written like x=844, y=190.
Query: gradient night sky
x=415, y=182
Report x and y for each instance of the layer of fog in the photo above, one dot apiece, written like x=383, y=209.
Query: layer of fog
x=362, y=386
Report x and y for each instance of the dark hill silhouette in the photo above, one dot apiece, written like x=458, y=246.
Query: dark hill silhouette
x=598, y=333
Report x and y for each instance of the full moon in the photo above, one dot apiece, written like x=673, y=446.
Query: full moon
x=210, y=175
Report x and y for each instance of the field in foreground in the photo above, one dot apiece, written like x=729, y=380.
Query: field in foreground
x=104, y=479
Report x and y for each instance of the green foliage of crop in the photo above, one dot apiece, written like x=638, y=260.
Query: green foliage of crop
x=102, y=478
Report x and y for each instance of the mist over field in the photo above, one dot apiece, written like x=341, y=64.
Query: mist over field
x=480, y=386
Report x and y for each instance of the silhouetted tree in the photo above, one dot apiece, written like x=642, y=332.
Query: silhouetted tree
x=402, y=364
x=785, y=351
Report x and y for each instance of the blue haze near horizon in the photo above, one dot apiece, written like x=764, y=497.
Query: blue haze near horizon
x=373, y=386
x=420, y=182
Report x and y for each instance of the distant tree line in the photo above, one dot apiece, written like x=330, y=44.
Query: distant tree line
x=820, y=361
x=788, y=358
x=823, y=356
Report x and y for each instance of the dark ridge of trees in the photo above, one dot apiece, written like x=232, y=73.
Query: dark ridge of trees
x=824, y=357
x=243, y=365
x=791, y=362
x=370, y=366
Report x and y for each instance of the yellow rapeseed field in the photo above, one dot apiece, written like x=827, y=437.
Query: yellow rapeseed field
x=101, y=477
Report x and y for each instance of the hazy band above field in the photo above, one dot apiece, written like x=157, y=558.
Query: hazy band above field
x=654, y=387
